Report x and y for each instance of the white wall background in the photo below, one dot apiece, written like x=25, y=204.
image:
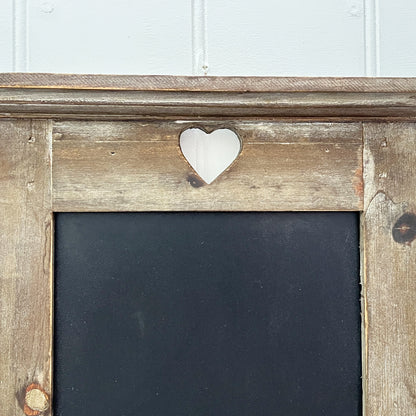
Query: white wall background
x=212, y=37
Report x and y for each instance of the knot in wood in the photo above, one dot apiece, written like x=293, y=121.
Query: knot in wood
x=404, y=230
x=36, y=400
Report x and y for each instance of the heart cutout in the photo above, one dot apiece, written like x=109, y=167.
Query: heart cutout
x=209, y=154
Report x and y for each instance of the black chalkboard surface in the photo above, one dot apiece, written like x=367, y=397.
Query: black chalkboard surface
x=207, y=314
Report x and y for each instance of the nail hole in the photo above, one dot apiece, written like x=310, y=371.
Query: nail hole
x=195, y=180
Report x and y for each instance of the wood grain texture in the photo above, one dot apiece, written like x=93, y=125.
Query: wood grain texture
x=138, y=166
x=25, y=261
x=96, y=104
x=389, y=269
x=207, y=84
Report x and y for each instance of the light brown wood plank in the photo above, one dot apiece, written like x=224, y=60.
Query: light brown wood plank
x=251, y=132
x=25, y=261
x=211, y=83
x=389, y=269
x=134, y=166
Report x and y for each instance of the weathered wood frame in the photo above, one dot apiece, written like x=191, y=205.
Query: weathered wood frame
x=105, y=143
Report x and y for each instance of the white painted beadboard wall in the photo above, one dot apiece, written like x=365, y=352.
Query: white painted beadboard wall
x=212, y=37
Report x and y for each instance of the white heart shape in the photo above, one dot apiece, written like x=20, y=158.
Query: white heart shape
x=209, y=154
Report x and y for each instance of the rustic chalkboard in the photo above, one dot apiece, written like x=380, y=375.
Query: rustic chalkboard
x=207, y=314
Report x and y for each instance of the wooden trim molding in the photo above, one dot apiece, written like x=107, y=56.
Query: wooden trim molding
x=138, y=97
x=111, y=143
x=207, y=84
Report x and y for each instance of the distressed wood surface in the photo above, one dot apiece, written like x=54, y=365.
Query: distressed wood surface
x=102, y=103
x=138, y=165
x=389, y=266
x=208, y=84
x=25, y=262
x=133, y=166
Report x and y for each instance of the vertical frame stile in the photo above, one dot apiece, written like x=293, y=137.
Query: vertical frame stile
x=25, y=265
x=389, y=252
x=363, y=296
x=51, y=282
x=364, y=320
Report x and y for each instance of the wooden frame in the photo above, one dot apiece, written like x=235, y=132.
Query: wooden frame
x=101, y=143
